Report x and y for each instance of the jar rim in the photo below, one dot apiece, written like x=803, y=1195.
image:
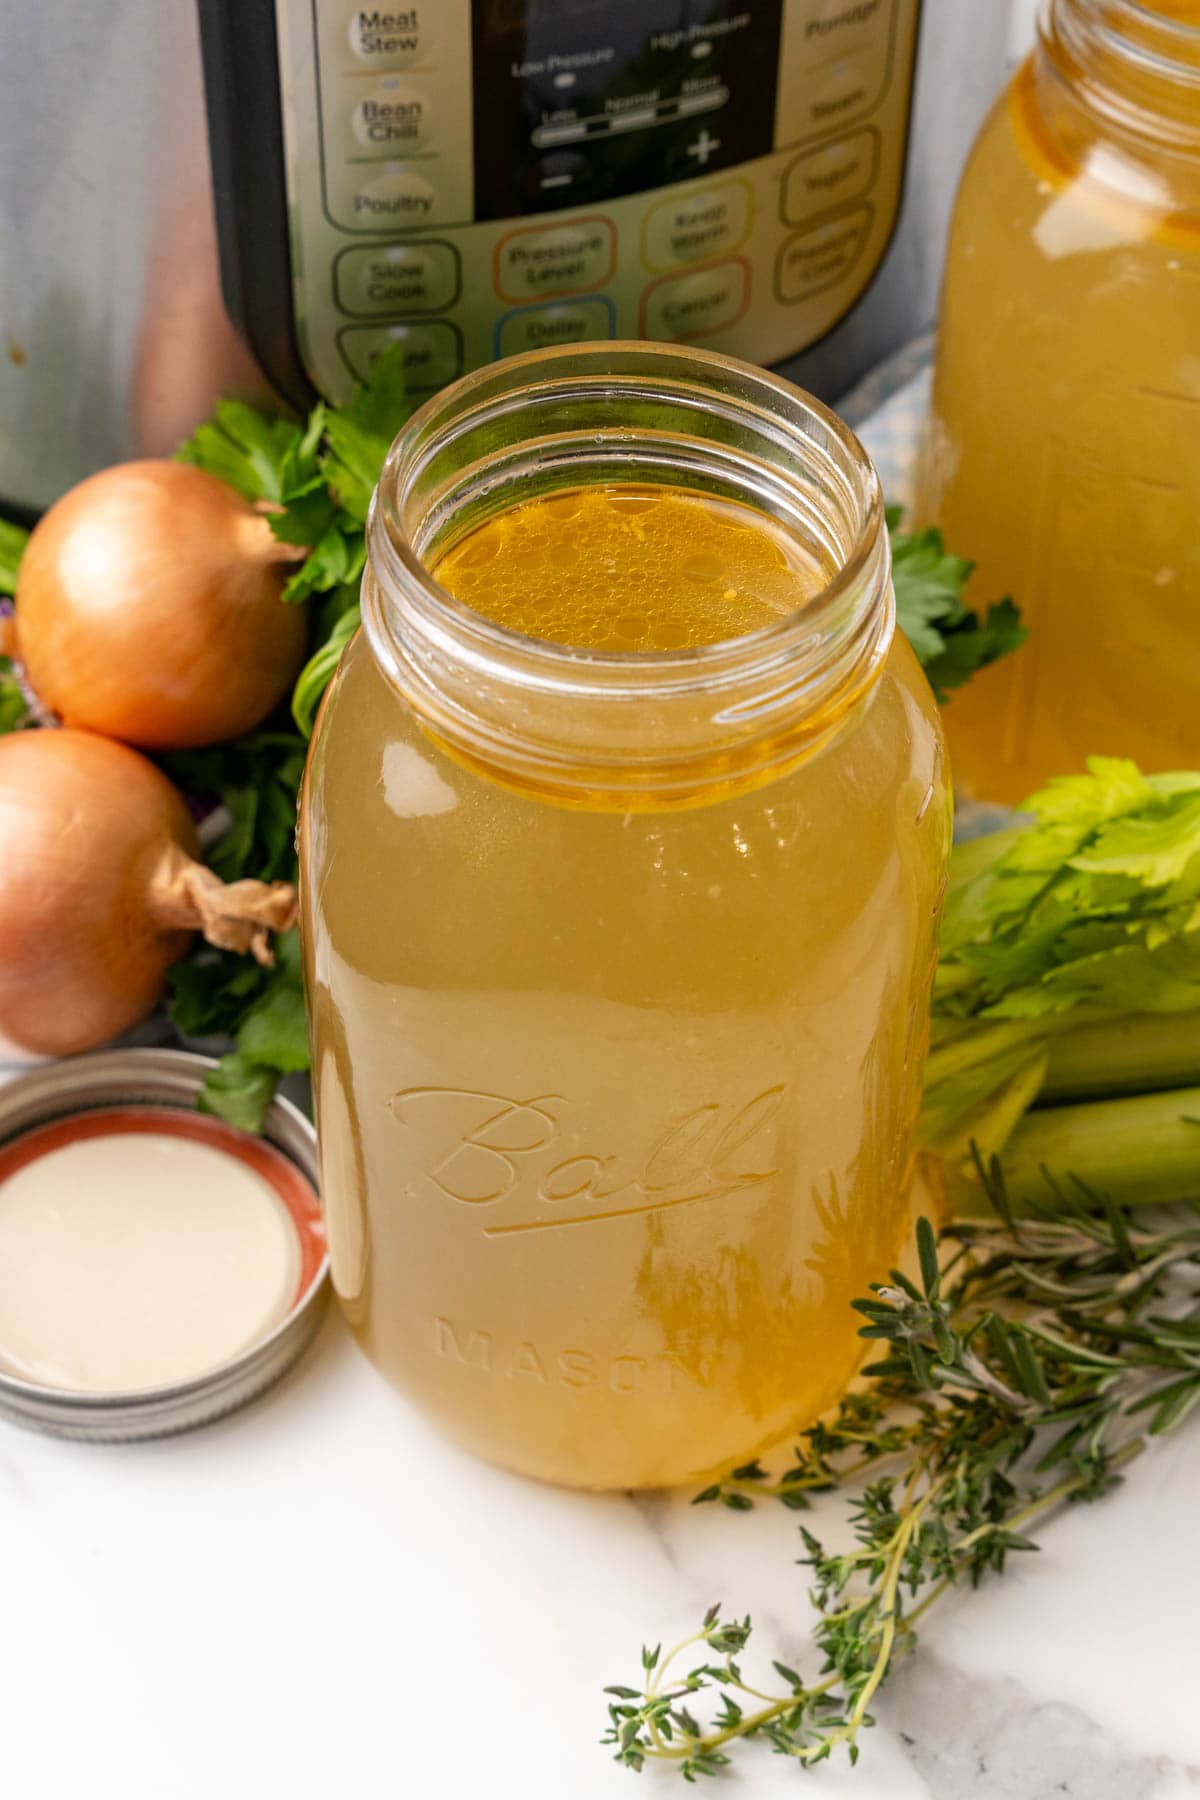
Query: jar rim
x=1159, y=47
x=386, y=532
x=559, y=717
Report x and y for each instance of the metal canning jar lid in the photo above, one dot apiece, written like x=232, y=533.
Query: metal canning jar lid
x=170, y=1079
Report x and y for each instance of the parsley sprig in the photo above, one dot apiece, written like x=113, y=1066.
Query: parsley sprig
x=14, y=704
x=1021, y=1374
x=950, y=639
x=314, y=479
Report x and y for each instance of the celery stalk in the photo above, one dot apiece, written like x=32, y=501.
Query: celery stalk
x=1139, y=1150
x=1137, y=1053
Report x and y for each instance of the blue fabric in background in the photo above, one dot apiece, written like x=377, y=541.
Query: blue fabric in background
x=887, y=409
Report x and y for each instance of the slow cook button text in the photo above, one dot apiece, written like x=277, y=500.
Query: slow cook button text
x=397, y=278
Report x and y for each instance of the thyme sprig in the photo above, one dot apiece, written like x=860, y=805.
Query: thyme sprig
x=1025, y=1366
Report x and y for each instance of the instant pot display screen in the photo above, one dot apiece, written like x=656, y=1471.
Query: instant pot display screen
x=586, y=99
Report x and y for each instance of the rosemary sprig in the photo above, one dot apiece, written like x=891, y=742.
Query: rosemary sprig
x=1023, y=1369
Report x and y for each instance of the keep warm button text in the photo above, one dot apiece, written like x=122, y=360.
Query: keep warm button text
x=692, y=227
x=819, y=258
x=554, y=260
x=682, y=307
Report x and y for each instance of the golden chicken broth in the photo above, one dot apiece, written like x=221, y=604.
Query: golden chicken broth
x=1065, y=454
x=616, y=1106
x=631, y=568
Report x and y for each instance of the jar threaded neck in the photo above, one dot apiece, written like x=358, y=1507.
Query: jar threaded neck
x=1136, y=64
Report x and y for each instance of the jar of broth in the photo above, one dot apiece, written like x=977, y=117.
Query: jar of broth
x=623, y=837
x=1064, y=454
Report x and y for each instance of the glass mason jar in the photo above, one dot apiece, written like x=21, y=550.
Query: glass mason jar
x=1064, y=454
x=619, y=964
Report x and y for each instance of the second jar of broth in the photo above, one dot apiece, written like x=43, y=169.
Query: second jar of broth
x=1064, y=453
x=623, y=838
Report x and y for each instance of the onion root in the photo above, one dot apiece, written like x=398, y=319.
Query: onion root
x=230, y=915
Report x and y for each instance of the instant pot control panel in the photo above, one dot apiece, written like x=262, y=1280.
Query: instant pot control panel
x=471, y=178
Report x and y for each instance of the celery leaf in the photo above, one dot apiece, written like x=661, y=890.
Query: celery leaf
x=1090, y=912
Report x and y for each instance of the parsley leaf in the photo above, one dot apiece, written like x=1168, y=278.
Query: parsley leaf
x=316, y=479
x=272, y=1040
x=950, y=640
x=318, y=672
x=239, y=1091
x=244, y=448
x=211, y=990
x=274, y=1033
x=14, y=709
x=256, y=779
x=13, y=539
x=14, y=712
x=214, y=994
x=359, y=435
x=337, y=560
x=972, y=643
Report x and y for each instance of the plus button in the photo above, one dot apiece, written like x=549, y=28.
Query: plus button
x=703, y=147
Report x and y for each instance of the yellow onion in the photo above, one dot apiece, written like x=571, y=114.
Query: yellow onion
x=148, y=608
x=100, y=891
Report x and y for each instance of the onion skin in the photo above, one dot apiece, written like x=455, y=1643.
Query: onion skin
x=97, y=891
x=148, y=609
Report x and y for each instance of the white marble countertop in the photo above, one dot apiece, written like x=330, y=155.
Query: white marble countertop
x=317, y=1596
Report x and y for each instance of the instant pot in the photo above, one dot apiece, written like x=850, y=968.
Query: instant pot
x=259, y=195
